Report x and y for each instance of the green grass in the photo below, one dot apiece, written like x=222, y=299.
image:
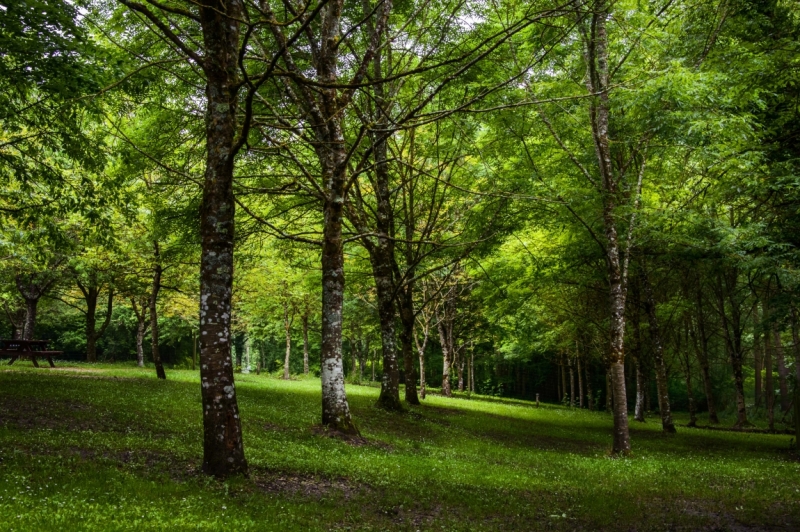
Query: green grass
x=107, y=447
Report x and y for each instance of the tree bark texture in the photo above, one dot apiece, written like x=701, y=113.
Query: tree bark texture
x=91, y=293
x=733, y=327
x=32, y=287
x=589, y=397
x=305, y=344
x=598, y=84
x=223, y=448
x=445, y=360
x=662, y=384
x=769, y=385
x=783, y=371
x=140, y=310
x=154, y=291
x=701, y=347
x=636, y=352
x=406, y=307
x=287, y=324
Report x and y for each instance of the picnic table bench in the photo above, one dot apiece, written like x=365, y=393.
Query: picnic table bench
x=28, y=349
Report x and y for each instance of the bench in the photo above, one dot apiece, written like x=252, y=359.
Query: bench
x=32, y=349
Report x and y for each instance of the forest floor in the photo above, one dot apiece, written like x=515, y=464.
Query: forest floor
x=109, y=447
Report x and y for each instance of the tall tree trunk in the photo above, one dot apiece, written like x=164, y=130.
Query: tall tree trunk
x=690, y=394
x=335, y=408
x=406, y=304
x=154, y=291
x=563, y=381
x=286, y=327
x=246, y=362
x=598, y=83
x=667, y=424
x=580, y=383
x=223, y=449
x=141, y=330
x=702, y=357
x=783, y=371
x=589, y=397
x=32, y=289
x=421, y=355
x=688, y=360
x=389, y=397
x=559, y=380
x=305, y=344
x=796, y=349
x=636, y=351
x=571, y=386
x=445, y=361
x=641, y=384
x=461, y=373
x=769, y=385
x=472, y=373
x=732, y=329
x=29, y=330
x=91, y=323
x=758, y=354
x=91, y=292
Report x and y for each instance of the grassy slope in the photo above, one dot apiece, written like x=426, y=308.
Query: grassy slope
x=110, y=447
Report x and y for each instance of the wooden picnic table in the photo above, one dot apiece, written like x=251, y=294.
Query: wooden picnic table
x=28, y=349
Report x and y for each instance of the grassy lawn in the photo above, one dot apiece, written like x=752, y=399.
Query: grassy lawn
x=105, y=447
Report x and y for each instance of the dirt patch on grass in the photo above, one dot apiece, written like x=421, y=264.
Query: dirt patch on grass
x=308, y=486
x=33, y=413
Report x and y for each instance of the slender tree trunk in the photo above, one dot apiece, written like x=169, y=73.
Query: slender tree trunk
x=461, y=373
x=796, y=349
x=335, y=408
x=769, y=385
x=636, y=351
x=688, y=359
x=580, y=383
x=472, y=373
x=223, y=449
x=246, y=362
x=609, y=391
x=156, y=288
x=783, y=371
x=690, y=394
x=589, y=397
x=421, y=355
x=141, y=330
x=641, y=384
x=406, y=304
x=758, y=354
x=571, y=386
x=702, y=358
x=598, y=83
x=305, y=344
x=286, y=327
x=732, y=329
x=91, y=294
x=445, y=361
x=29, y=330
x=559, y=381
x=658, y=358
x=389, y=397
x=563, y=382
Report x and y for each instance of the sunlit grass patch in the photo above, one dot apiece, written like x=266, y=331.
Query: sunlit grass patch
x=115, y=448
